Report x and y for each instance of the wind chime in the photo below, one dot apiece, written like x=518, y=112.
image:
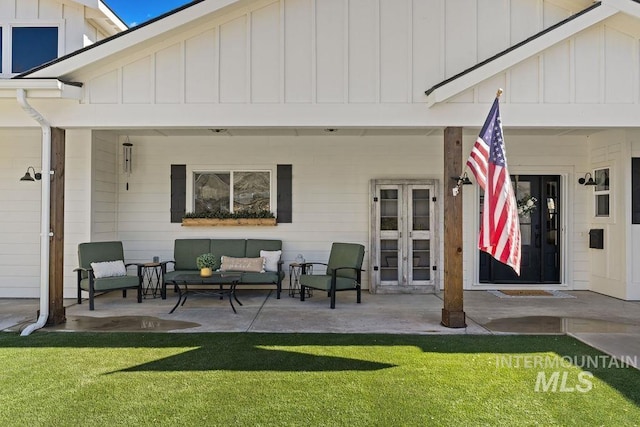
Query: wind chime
x=127, y=159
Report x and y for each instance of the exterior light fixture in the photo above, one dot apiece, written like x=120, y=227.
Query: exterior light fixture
x=331, y=130
x=462, y=179
x=587, y=180
x=27, y=176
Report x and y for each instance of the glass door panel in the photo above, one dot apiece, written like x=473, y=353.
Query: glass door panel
x=421, y=213
x=421, y=260
x=389, y=256
x=389, y=209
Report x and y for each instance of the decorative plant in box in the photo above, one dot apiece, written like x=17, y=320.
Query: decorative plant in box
x=222, y=217
x=206, y=262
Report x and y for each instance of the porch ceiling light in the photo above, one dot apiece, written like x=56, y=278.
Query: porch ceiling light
x=587, y=180
x=27, y=176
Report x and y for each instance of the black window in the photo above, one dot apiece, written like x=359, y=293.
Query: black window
x=0, y=49
x=32, y=46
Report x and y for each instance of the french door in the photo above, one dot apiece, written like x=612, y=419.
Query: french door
x=403, y=246
x=539, y=230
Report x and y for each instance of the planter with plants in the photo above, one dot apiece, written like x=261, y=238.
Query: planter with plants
x=206, y=263
x=224, y=218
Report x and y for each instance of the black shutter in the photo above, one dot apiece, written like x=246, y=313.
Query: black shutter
x=284, y=189
x=178, y=192
x=635, y=190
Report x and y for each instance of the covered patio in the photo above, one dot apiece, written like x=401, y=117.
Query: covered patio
x=608, y=324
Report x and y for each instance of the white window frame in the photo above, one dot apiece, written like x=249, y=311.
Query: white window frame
x=602, y=192
x=7, y=41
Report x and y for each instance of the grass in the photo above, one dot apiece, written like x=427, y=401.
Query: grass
x=72, y=379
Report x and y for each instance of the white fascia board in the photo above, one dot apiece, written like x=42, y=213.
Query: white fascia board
x=130, y=38
x=111, y=16
x=89, y=3
x=629, y=7
x=508, y=60
x=40, y=88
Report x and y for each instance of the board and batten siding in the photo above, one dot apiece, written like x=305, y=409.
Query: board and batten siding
x=77, y=32
x=363, y=52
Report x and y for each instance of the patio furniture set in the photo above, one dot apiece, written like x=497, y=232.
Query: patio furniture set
x=102, y=268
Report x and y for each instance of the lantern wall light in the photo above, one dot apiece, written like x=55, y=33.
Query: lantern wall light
x=587, y=180
x=27, y=176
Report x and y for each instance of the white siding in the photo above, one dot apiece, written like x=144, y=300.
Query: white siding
x=20, y=213
x=370, y=52
x=608, y=266
x=331, y=193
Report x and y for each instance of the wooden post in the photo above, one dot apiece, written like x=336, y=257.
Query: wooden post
x=452, y=314
x=56, y=242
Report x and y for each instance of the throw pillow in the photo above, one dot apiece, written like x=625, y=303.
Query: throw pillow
x=271, y=259
x=108, y=269
x=254, y=265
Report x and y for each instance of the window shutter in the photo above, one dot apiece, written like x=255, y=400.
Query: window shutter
x=284, y=188
x=178, y=192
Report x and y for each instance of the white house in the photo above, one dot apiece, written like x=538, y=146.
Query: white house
x=335, y=111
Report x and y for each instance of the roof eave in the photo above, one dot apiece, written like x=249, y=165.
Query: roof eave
x=41, y=88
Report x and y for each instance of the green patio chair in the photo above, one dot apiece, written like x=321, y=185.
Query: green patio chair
x=343, y=272
x=108, y=272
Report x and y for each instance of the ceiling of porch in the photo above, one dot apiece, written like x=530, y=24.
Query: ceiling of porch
x=230, y=132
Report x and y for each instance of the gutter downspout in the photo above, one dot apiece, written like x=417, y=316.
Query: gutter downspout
x=45, y=221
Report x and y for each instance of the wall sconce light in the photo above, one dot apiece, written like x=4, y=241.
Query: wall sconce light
x=587, y=180
x=127, y=159
x=462, y=179
x=27, y=176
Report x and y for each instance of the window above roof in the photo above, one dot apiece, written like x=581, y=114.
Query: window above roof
x=25, y=46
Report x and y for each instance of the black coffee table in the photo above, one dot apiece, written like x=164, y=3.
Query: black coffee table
x=226, y=283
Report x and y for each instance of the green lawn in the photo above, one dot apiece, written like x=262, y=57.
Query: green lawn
x=60, y=379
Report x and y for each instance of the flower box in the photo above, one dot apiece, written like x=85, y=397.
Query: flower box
x=227, y=222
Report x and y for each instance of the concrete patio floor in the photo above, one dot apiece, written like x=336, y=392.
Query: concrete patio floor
x=608, y=324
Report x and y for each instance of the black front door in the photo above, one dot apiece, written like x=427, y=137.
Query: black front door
x=540, y=231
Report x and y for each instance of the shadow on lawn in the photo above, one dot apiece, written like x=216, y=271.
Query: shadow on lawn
x=251, y=352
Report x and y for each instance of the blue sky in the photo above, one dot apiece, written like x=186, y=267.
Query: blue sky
x=134, y=12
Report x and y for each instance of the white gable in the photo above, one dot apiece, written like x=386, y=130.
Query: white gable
x=363, y=63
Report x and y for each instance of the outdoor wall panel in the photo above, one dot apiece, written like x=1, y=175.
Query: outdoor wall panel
x=168, y=75
x=330, y=51
x=525, y=79
x=492, y=38
x=27, y=9
x=621, y=61
x=460, y=32
x=298, y=54
x=233, y=61
x=556, y=74
x=526, y=19
x=428, y=68
x=395, y=66
x=363, y=51
x=136, y=82
x=201, y=71
x=265, y=54
x=588, y=65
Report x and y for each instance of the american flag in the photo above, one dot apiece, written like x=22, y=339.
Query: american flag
x=500, y=227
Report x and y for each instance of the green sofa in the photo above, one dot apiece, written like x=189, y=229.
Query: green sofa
x=186, y=251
